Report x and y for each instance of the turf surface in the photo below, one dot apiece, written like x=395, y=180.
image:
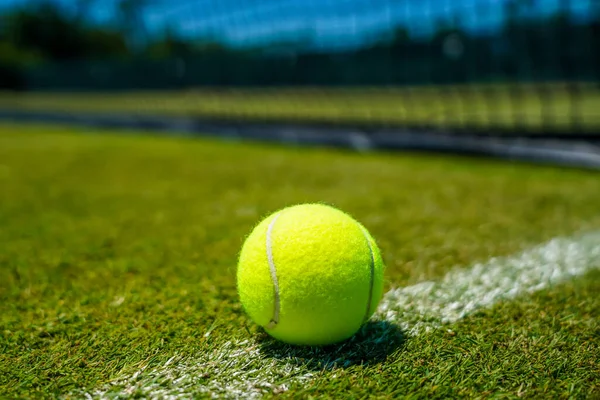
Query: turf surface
x=118, y=251
x=543, y=108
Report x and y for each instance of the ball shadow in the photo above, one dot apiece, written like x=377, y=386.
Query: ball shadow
x=375, y=341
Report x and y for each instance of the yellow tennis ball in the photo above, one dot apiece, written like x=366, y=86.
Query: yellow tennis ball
x=310, y=275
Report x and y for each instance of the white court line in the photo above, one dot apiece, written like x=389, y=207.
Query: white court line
x=241, y=370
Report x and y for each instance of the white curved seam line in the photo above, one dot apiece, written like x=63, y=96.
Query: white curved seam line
x=275, y=319
x=372, y=275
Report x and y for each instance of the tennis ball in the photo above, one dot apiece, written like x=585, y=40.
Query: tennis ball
x=310, y=275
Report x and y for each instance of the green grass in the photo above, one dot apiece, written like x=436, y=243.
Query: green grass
x=545, y=346
x=545, y=108
x=119, y=251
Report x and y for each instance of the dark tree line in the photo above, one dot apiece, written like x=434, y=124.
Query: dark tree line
x=44, y=47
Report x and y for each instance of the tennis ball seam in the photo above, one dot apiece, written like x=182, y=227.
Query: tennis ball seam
x=273, y=272
x=372, y=274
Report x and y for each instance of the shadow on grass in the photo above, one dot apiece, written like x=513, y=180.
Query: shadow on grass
x=371, y=345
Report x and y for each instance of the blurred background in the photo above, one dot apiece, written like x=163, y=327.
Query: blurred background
x=508, y=66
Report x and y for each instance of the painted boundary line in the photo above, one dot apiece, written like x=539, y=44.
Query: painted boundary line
x=580, y=154
x=243, y=370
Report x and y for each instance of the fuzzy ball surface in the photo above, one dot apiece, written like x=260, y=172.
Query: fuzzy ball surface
x=310, y=275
